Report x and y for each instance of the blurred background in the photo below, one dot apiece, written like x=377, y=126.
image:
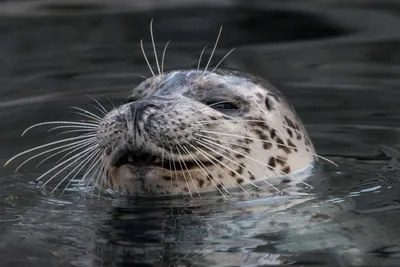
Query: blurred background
x=337, y=61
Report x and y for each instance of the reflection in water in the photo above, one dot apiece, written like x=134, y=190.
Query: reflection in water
x=337, y=66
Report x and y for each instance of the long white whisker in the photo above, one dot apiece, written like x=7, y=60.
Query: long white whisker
x=99, y=172
x=97, y=108
x=145, y=58
x=73, y=126
x=219, y=63
x=246, y=146
x=77, y=143
x=262, y=163
x=91, y=119
x=77, y=157
x=184, y=176
x=173, y=163
x=48, y=144
x=94, y=161
x=213, y=51
x=190, y=176
x=201, y=56
x=211, y=158
x=154, y=46
x=265, y=141
x=74, y=148
x=75, y=131
x=231, y=160
x=98, y=103
x=109, y=100
x=199, y=163
x=88, y=113
x=58, y=122
x=82, y=147
x=163, y=57
x=83, y=162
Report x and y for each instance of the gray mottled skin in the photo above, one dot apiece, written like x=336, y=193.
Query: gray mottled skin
x=174, y=117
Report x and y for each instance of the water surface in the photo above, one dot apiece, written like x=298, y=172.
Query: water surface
x=336, y=62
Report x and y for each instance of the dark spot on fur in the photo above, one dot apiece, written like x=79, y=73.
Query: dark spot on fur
x=200, y=182
x=210, y=177
x=290, y=133
x=166, y=178
x=272, y=133
x=280, y=160
x=239, y=156
x=286, y=170
x=220, y=176
x=281, y=145
x=252, y=177
x=239, y=180
x=298, y=136
x=232, y=173
x=268, y=103
x=220, y=185
x=259, y=95
x=285, y=181
x=261, y=134
x=271, y=163
x=240, y=168
x=290, y=143
x=185, y=189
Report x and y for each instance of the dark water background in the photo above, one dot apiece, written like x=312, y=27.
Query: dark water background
x=336, y=61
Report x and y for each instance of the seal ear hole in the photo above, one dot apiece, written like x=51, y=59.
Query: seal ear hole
x=268, y=104
x=131, y=99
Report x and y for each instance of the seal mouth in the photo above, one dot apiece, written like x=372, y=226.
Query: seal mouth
x=151, y=160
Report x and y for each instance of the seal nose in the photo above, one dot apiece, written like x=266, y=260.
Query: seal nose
x=139, y=106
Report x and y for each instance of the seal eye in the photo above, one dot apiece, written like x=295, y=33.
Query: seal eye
x=222, y=105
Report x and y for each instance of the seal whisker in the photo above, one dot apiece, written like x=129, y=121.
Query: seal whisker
x=199, y=163
x=173, y=163
x=87, y=113
x=97, y=108
x=181, y=161
x=75, y=148
x=212, y=159
x=74, y=144
x=95, y=162
x=163, y=57
x=77, y=157
x=99, y=172
x=231, y=160
x=92, y=120
x=262, y=163
x=219, y=63
x=75, y=131
x=213, y=51
x=109, y=100
x=246, y=146
x=46, y=145
x=83, y=162
x=266, y=141
x=59, y=122
x=93, y=129
x=269, y=166
x=201, y=56
x=98, y=103
x=145, y=58
x=154, y=46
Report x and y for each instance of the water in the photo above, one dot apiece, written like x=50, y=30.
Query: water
x=337, y=63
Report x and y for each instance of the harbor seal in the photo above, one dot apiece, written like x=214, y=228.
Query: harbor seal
x=186, y=132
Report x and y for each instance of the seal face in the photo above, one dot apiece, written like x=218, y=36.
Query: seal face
x=192, y=131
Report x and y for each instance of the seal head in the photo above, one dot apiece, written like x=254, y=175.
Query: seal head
x=191, y=131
